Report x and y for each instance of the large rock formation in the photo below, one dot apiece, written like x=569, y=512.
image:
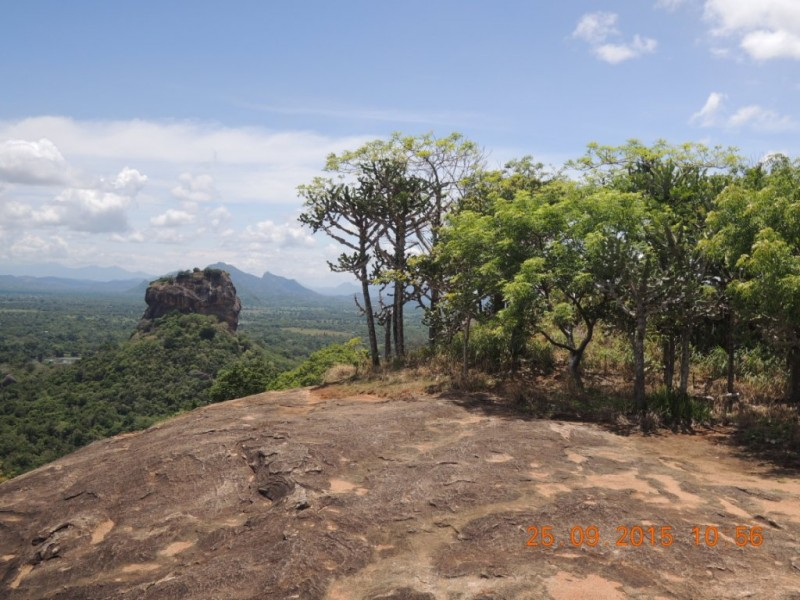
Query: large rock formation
x=208, y=292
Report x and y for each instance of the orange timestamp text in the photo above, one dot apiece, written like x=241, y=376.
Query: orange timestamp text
x=644, y=535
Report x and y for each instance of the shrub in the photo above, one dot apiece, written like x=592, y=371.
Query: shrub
x=312, y=371
x=248, y=375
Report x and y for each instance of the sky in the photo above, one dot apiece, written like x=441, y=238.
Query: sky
x=157, y=136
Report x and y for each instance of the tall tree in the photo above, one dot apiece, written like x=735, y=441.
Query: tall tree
x=346, y=214
x=682, y=181
x=445, y=165
x=756, y=231
x=397, y=202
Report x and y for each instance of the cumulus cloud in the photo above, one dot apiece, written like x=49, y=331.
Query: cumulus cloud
x=198, y=188
x=596, y=27
x=11, y=211
x=267, y=232
x=93, y=211
x=766, y=29
x=617, y=53
x=34, y=247
x=172, y=218
x=707, y=116
x=219, y=216
x=102, y=209
x=755, y=117
x=599, y=29
x=128, y=182
x=32, y=163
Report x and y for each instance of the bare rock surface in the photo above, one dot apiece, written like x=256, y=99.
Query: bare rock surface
x=208, y=292
x=292, y=495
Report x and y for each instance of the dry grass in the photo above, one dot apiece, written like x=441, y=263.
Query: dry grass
x=339, y=373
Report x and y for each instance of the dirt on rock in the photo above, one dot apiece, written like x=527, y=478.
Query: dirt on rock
x=295, y=495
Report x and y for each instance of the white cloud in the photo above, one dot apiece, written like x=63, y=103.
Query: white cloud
x=248, y=164
x=32, y=163
x=33, y=247
x=617, y=53
x=101, y=209
x=765, y=45
x=172, y=218
x=180, y=142
x=707, y=116
x=765, y=29
x=267, y=232
x=762, y=119
x=11, y=210
x=219, y=216
x=128, y=182
x=598, y=28
x=93, y=211
x=198, y=188
x=135, y=237
x=754, y=117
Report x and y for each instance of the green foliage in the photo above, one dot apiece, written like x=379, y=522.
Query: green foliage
x=252, y=373
x=119, y=388
x=490, y=350
x=677, y=408
x=312, y=371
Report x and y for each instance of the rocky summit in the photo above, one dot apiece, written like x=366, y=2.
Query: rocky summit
x=337, y=495
x=206, y=292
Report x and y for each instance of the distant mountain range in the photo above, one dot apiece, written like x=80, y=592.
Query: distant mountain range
x=253, y=291
x=60, y=285
x=103, y=274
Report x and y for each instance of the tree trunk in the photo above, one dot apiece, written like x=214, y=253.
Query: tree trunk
x=433, y=328
x=794, y=375
x=465, y=356
x=669, y=361
x=387, y=336
x=397, y=313
x=686, y=358
x=576, y=356
x=373, y=336
x=574, y=368
x=731, y=353
x=639, y=397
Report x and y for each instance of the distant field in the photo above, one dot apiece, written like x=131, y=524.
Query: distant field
x=310, y=331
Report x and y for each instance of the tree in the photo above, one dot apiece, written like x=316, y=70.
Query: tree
x=346, y=214
x=445, y=165
x=464, y=254
x=756, y=231
x=682, y=182
x=525, y=265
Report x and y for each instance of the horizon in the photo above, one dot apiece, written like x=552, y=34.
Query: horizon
x=39, y=270
x=144, y=136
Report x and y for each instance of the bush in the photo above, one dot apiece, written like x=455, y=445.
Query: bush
x=312, y=371
x=250, y=374
x=677, y=408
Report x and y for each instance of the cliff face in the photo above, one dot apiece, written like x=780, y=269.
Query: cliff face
x=208, y=292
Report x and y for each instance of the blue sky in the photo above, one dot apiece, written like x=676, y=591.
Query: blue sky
x=166, y=135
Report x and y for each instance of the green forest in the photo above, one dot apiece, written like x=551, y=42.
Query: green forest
x=672, y=271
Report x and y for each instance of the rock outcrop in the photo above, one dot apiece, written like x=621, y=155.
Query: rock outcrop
x=207, y=292
x=323, y=495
